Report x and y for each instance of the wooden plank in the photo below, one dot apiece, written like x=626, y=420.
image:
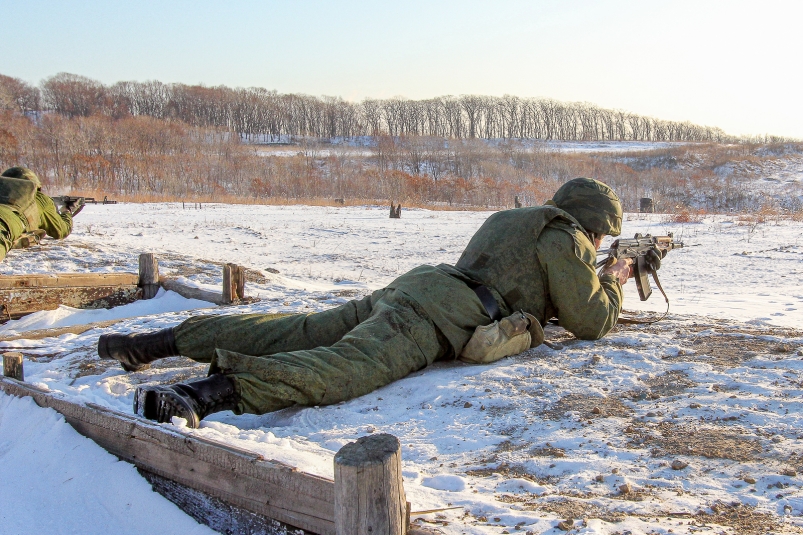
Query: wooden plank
x=58, y=331
x=68, y=280
x=190, y=292
x=220, y=516
x=18, y=302
x=238, y=477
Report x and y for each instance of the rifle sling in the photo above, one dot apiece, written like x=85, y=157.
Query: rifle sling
x=629, y=321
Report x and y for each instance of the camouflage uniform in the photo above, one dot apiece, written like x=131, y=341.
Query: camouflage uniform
x=30, y=211
x=538, y=259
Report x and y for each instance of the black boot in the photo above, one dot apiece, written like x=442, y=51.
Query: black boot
x=136, y=351
x=192, y=401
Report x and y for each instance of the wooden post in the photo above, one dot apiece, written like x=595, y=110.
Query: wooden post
x=230, y=278
x=233, y=283
x=12, y=366
x=369, y=493
x=148, y=275
x=239, y=282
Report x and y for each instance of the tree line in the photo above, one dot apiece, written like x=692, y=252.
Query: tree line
x=264, y=115
x=83, y=142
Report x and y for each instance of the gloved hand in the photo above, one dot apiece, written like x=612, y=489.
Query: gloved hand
x=621, y=269
x=653, y=259
x=74, y=206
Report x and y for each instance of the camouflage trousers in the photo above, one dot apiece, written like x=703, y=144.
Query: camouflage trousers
x=316, y=359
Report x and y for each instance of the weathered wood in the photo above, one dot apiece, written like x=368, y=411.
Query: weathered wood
x=12, y=366
x=233, y=283
x=148, y=275
x=239, y=283
x=229, y=293
x=21, y=301
x=67, y=280
x=369, y=494
x=238, y=477
x=58, y=331
x=215, y=513
x=190, y=292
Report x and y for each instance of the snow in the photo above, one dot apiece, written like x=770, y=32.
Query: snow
x=56, y=481
x=716, y=385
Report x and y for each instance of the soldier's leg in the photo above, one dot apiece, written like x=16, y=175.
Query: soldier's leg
x=265, y=334
x=397, y=339
x=254, y=334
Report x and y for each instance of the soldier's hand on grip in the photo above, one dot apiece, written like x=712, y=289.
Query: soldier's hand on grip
x=74, y=206
x=621, y=269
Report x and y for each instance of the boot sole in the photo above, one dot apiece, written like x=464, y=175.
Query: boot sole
x=161, y=403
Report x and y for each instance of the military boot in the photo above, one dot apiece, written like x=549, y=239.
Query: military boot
x=135, y=352
x=192, y=401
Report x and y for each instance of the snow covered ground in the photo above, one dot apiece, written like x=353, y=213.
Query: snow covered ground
x=689, y=425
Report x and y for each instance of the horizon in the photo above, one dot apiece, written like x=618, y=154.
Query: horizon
x=707, y=63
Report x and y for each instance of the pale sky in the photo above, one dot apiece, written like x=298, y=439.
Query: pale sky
x=733, y=64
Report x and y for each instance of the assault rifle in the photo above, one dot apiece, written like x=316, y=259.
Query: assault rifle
x=76, y=204
x=646, y=253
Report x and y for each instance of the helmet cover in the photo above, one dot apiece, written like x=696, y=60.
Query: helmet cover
x=592, y=203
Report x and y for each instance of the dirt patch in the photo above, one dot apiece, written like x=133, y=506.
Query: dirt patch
x=744, y=519
x=716, y=443
x=564, y=507
x=728, y=350
x=97, y=367
x=496, y=411
x=672, y=383
x=511, y=471
x=508, y=446
x=587, y=407
x=548, y=451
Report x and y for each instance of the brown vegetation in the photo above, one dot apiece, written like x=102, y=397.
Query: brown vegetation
x=151, y=141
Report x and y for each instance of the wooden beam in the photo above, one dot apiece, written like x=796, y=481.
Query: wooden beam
x=58, y=331
x=213, y=512
x=67, y=280
x=190, y=292
x=19, y=302
x=241, y=478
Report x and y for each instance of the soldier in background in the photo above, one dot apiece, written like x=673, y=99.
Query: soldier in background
x=27, y=214
x=522, y=268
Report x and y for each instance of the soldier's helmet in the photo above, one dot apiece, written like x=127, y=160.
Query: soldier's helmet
x=24, y=173
x=592, y=203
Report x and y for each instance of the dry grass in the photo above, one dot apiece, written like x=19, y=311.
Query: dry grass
x=687, y=215
x=679, y=439
x=587, y=407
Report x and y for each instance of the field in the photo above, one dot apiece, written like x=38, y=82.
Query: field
x=689, y=425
